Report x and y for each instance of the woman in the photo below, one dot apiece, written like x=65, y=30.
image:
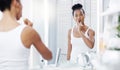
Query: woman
x=16, y=39
x=80, y=37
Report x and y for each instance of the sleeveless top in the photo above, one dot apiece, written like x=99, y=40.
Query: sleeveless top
x=78, y=46
x=13, y=54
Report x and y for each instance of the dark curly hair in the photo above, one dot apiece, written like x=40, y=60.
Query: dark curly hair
x=76, y=7
x=5, y=4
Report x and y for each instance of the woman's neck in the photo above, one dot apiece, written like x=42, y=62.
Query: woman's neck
x=8, y=17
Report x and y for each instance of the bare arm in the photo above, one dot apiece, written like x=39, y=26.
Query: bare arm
x=69, y=45
x=30, y=36
x=40, y=46
x=89, y=41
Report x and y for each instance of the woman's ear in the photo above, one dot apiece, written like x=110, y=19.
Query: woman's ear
x=15, y=3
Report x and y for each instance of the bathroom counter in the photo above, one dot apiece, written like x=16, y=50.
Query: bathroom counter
x=62, y=68
x=66, y=67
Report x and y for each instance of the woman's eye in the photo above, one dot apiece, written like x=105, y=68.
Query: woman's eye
x=81, y=14
x=76, y=15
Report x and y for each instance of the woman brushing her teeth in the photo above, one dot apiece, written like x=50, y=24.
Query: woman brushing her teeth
x=80, y=37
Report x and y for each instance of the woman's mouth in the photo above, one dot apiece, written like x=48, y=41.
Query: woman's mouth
x=79, y=21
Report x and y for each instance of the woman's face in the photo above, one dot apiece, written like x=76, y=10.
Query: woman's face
x=18, y=10
x=78, y=16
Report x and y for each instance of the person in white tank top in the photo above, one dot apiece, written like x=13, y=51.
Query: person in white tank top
x=80, y=37
x=16, y=39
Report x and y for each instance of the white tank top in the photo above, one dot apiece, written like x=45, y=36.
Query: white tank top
x=78, y=46
x=13, y=54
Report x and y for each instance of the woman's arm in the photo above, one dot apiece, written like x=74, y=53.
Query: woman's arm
x=69, y=45
x=89, y=41
x=40, y=46
x=30, y=36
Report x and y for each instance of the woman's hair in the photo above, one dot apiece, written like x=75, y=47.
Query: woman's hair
x=76, y=7
x=5, y=4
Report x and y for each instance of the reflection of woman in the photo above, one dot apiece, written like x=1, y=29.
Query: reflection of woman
x=80, y=37
x=16, y=39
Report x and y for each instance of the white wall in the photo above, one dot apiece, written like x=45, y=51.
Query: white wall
x=52, y=38
x=64, y=22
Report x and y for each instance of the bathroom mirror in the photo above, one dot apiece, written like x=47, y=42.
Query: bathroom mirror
x=52, y=19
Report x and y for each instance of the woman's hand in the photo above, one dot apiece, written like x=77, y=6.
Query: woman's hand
x=79, y=26
x=28, y=22
x=80, y=23
x=82, y=19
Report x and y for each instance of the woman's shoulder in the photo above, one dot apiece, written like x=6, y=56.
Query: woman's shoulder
x=90, y=30
x=28, y=35
x=69, y=31
x=28, y=28
x=29, y=31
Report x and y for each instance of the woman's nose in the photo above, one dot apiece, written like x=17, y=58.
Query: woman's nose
x=78, y=17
